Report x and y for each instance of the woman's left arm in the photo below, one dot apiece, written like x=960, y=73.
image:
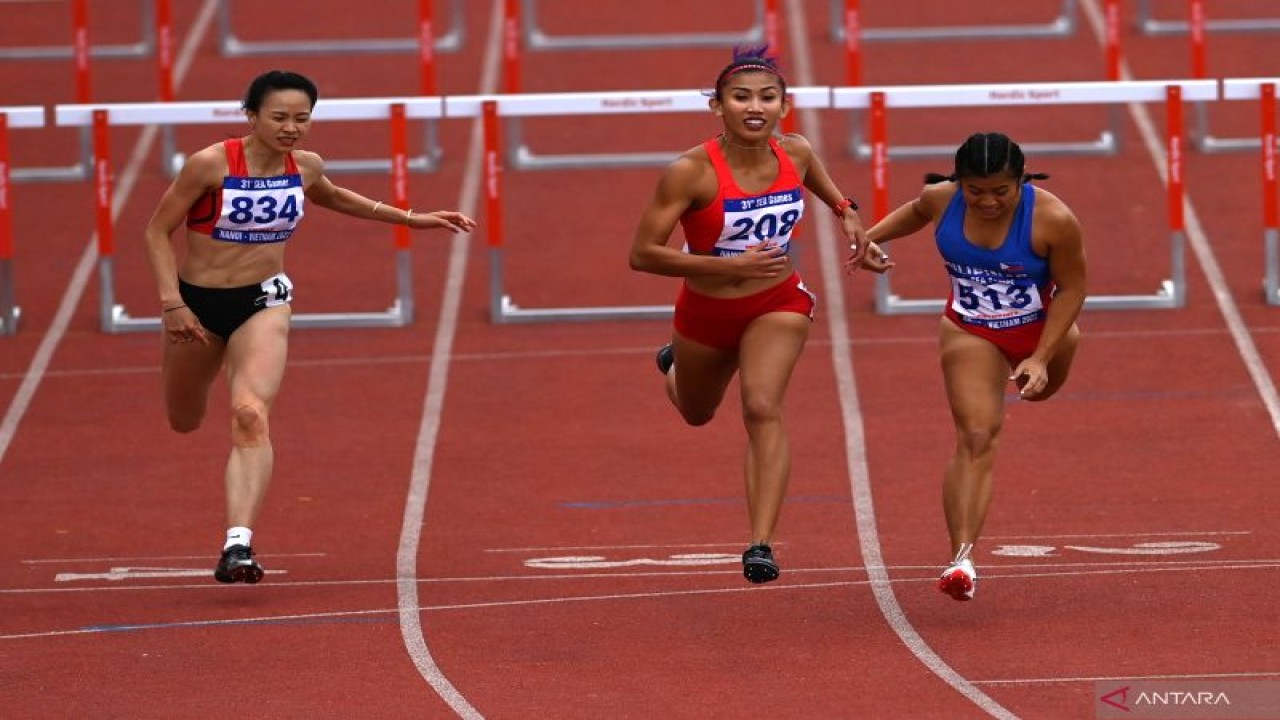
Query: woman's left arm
x=326, y=194
x=819, y=182
x=1064, y=242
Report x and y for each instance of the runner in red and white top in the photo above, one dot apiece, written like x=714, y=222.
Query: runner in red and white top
x=742, y=308
x=228, y=303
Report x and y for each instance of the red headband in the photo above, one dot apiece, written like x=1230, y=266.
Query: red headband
x=749, y=65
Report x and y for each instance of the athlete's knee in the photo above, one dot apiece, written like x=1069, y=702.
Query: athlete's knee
x=759, y=409
x=185, y=423
x=696, y=416
x=249, y=423
x=978, y=439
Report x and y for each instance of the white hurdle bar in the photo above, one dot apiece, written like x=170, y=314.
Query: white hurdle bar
x=1264, y=91
x=232, y=46
x=877, y=101
x=1151, y=25
x=24, y=116
x=515, y=107
x=115, y=318
x=1064, y=25
x=495, y=107
x=536, y=38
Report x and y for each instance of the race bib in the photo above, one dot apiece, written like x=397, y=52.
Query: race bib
x=755, y=220
x=259, y=210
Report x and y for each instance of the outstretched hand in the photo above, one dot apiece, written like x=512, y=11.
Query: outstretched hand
x=872, y=258
x=450, y=220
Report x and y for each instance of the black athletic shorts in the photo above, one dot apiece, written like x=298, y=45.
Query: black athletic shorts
x=222, y=310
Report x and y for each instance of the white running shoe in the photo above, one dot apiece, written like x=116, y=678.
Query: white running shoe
x=960, y=581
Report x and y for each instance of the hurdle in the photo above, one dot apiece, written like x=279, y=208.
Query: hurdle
x=232, y=46
x=157, y=37
x=1197, y=28
x=1172, y=291
x=502, y=308
x=1264, y=91
x=535, y=38
x=1149, y=24
x=144, y=46
x=115, y=318
x=1063, y=25
x=522, y=157
x=1108, y=140
x=10, y=116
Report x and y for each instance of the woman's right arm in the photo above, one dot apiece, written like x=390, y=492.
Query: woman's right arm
x=676, y=193
x=907, y=218
x=198, y=175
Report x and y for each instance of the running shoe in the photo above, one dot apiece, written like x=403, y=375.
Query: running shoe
x=960, y=581
x=666, y=358
x=237, y=565
x=758, y=565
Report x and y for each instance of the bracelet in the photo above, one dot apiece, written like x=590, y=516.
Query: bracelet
x=374, y=211
x=408, y=216
x=175, y=307
x=844, y=204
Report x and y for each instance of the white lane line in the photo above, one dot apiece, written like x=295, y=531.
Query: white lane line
x=1124, y=678
x=1199, y=243
x=1060, y=569
x=80, y=277
x=155, y=558
x=352, y=359
x=407, y=556
x=830, y=250
x=559, y=600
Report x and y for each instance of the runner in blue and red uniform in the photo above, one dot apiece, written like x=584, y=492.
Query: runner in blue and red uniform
x=742, y=309
x=1015, y=256
x=228, y=304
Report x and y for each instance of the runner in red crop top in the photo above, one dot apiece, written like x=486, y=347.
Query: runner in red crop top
x=228, y=304
x=742, y=309
x=247, y=209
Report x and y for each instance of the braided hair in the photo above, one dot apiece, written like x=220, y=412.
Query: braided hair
x=987, y=154
x=749, y=59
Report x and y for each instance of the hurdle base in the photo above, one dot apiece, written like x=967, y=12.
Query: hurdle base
x=509, y=312
x=1106, y=144
x=9, y=321
x=396, y=316
x=1165, y=297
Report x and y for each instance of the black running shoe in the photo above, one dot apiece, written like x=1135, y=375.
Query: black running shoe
x=758, y=565
x=237, y=565
x=666, y=358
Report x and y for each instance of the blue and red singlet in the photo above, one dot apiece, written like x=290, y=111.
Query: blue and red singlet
x=1002, y=293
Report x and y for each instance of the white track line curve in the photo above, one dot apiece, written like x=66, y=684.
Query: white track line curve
x=437, y=382
x=830, y=250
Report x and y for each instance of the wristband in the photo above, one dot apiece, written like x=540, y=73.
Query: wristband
x=175, y=307
x=842, y=205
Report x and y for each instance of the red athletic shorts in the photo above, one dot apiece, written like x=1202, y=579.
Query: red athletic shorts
x=1016, y=343
x=720, y=322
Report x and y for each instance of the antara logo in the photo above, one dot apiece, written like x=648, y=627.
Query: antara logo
x=1118, y=698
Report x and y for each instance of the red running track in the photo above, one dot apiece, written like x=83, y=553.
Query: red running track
x=473, y=519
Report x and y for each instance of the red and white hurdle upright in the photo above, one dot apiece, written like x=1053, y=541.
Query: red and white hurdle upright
x=16, y=116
